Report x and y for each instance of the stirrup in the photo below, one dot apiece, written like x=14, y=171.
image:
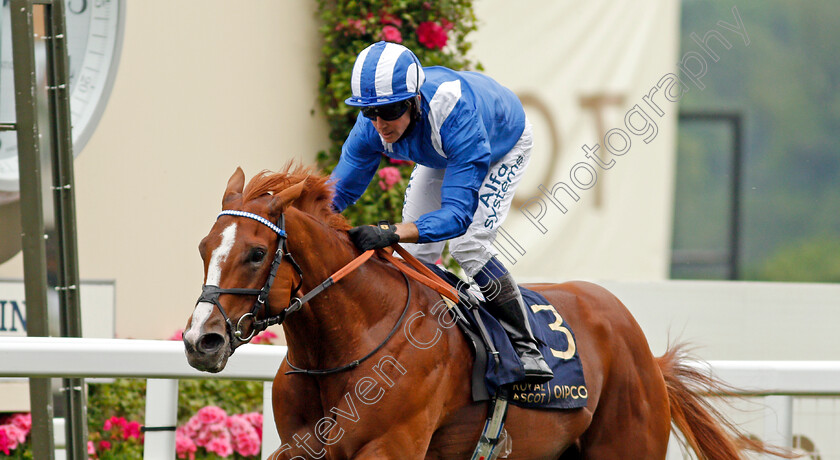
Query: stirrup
x=488, y=444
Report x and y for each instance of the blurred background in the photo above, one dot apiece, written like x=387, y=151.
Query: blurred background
x=783, y=88
x=714, y=124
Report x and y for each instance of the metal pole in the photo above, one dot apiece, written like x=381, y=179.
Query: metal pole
x=735, y=122
x=32, y=219
x=735, y=210
x=65, y=217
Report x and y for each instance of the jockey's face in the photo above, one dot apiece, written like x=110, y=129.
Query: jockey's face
x=392, y=130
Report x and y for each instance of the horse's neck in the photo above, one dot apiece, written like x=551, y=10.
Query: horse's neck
x=339, y=324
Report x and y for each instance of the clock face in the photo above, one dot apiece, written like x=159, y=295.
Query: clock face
x=94, y=40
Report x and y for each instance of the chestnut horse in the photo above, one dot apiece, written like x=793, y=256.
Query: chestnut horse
x=409, y=401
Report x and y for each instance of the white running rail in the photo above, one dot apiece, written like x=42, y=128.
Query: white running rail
x=163, y=363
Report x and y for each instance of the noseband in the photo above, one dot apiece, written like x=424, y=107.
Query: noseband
x=210, y=293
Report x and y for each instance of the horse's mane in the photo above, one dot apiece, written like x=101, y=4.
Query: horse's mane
x=316, y=198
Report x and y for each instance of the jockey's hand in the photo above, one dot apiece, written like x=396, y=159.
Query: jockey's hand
x=374, y=236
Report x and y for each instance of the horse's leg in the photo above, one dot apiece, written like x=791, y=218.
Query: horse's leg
x=297, y=409
x=632, y=422
x=532, y=434
x=409, y=441
x=543, y=435
x=627, y=394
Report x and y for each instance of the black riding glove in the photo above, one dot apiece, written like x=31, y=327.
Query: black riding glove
x=374, y=237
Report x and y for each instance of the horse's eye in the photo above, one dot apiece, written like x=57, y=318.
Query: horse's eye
x=257, y=255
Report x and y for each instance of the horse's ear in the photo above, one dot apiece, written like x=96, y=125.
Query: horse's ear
x=282, y=199
x=234, y=187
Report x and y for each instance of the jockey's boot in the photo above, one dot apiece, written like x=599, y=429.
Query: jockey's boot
x=504, y=302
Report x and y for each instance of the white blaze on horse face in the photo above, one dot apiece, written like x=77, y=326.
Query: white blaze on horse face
x=214, y=273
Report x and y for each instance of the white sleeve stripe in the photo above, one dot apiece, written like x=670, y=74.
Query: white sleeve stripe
x=385, y=69
x=447, y=95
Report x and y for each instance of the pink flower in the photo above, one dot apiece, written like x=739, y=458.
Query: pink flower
x=210, y=432
x=91, y=448
x=220, y=445
x=355, y=27
x=432, y=35
x=115, y=422
x=256, y=420
x=8, y=438
x=264, y=337
x=14, y=434
x=22, y=421
x=246, y=441
x=394, y=161
x=446, y=24
x=193, y=426
x=104, y=445
x=247, y=445
x=390, y=176
x=388, y=18
x=217, y=433
x=211, y=414
x=178, y=335
x=132, y=430
x=391, y=34
x=184, y=445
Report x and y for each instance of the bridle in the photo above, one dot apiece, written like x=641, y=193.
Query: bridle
x=211, y=293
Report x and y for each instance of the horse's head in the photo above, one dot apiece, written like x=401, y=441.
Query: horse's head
x=245, y=245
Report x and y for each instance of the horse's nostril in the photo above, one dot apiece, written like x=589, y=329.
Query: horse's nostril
x=210, y=343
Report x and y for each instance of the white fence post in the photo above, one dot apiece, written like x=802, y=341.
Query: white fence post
x=778, y=421
x=161, y=419
x=270, y=439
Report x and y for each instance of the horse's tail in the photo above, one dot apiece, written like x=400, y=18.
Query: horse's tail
x=705, y=429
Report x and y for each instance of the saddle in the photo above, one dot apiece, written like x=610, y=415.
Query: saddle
x=496, y=368
x=496, y=364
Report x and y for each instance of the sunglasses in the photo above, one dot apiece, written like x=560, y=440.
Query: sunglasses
x=389, y=112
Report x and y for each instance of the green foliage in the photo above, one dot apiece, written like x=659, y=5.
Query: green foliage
x=126, y=398
x=379, y=203
x=121, y=398
x=23, y=452
x=814, y=259
x=235, y=397
x=350, y=26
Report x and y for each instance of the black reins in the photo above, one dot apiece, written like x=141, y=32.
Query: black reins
x=355, y=363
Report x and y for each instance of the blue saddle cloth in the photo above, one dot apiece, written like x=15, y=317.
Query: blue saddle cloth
x=556, y=342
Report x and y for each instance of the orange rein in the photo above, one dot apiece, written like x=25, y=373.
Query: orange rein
x=420, y=273
x=427, y=277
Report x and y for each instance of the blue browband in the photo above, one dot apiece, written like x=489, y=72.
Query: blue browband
x=257, y=218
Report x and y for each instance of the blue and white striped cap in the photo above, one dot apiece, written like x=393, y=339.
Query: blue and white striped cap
x=384, y=73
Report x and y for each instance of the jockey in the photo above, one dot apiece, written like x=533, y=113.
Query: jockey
x=471, y=143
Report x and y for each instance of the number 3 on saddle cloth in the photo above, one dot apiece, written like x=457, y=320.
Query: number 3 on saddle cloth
x=556, y=342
